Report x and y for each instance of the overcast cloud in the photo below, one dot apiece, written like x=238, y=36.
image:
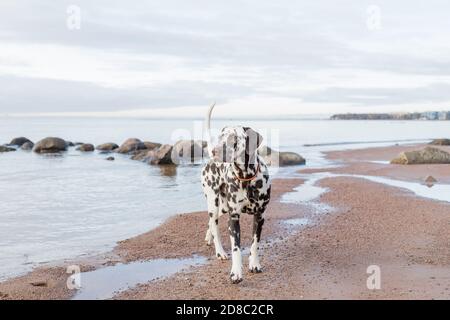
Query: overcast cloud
x=149, y=58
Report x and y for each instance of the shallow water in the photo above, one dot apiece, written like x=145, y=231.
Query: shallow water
x=308, y=192
x=437, y=191
x=76, y=204
x=304, y=193
x=54, y=208
x=298, y=222
x=106, y=282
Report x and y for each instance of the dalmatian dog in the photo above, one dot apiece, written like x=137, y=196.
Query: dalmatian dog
x=235, y=181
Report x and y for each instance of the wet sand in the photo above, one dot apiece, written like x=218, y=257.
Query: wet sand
x=372, y=224
x=408, y=237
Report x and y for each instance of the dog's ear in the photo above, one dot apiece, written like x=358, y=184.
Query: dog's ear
x=254, y=140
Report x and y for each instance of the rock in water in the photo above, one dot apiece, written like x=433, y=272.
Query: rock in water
x=151, y=145
x=50, y=145
x=6, y=149
x=110, y=146
x=142, y=155
x=162, y=155
x=440, y=142
x=430, y=181
x=282, y=159
x=187, y=151
x=429, y=155
x=86, y=147
x=131, y=145
x=19, y=141
x=291, y=159
x=27, y=146
x=110, y=158
x=270, y=157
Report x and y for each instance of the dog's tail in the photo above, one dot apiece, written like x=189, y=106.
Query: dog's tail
x=208, y=130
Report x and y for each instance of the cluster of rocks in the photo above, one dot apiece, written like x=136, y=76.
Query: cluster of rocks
x=182, y=152
x=20, y=142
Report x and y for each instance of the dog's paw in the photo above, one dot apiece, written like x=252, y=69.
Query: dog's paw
x=222, y=255
x=255, y=269
x=235, y=278
x=254, y=266
x=236, y=273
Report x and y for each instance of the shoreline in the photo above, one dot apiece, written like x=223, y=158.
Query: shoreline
x=326, y=258
x=154, y=244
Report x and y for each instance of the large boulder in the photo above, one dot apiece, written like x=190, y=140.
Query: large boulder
x=151, y=145
x=130, y=146
x=142, y=155
x=185, y=151
x=281, y=159
x=6, y=149
x=27, y=146
x=134, y=146
x=86, y=147
x=50, y=145
x=160, y=156
x=265, y=151
x=107, y=147
x=19, y=141
x=429, y=155
x=291, y=159
x=440, y=142
x=270, y=157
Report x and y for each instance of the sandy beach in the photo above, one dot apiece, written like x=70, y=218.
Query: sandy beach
x=364, y=223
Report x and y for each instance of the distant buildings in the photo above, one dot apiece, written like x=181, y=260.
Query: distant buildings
x=436, y=115
x=429, y=115
x=444, y=115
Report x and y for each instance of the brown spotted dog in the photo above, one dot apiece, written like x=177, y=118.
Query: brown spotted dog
x=235, y=181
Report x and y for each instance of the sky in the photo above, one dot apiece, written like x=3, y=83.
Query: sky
x=254, y=58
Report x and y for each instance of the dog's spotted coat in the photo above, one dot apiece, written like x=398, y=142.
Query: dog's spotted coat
x=236, y=181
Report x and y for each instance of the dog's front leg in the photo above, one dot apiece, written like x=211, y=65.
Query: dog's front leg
x=254, y=265
x=235, y=237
